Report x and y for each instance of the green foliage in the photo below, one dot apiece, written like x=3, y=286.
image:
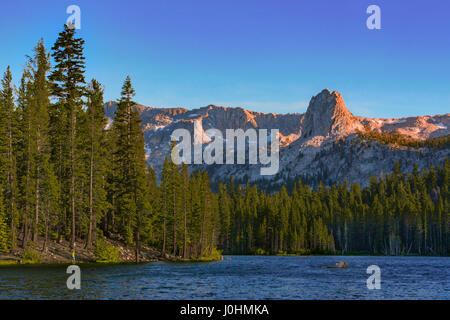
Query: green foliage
x=30, y=255
x=64, y=173
x=4, y=229
x=68, y=126
x=402, y=140
x=77, y=178
x=215, y=255
x=395, y=215
x=106, y=252
x=260, y=252
x=96, y=155
x=130, y=173
x=8, y=172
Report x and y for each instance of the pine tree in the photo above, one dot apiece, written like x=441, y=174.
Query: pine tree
x=186, y=206
x=175, y=182
x=151, y=227
x=165, y=192
x=8, y=145
x=194, y=223
x=97, y=154
x=43, y=171
x=25, y=154
x=63, y=172
x=225, y=216
x=5, y=240
x=132, y=182
x=68, y=79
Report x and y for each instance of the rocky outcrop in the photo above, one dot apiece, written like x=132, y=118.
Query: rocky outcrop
x=341, y=264
x=328, y=116
x=319, y=145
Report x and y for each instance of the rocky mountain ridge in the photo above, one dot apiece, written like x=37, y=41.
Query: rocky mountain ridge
x=321, y=144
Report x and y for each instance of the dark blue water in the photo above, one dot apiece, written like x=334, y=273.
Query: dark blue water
x=244, y=277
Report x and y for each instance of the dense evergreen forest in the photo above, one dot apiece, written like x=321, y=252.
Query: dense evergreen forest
x=66, y=175
x=396, y=214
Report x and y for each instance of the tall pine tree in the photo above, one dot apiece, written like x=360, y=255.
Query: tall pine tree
x=68, y=86
x=131, y=177
x=8, y=142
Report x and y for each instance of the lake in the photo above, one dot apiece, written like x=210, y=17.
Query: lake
x=242, y=277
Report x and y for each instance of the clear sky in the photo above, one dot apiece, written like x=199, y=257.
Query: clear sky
x=269, y=56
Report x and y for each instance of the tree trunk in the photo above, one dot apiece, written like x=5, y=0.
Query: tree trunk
x=164, y=228
x=164, y=235
x=72, y=181
x=138, y=243
x=185, y=227
x=36, y=210
x=37, y=195
x=91, y=184
x=202, y=231
x=44, y=247
x=174, y=224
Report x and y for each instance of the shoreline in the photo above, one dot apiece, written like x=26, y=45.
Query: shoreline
x=60, y=253
x=15, y=263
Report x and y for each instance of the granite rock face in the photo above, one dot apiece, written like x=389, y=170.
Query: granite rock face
x=328, y=116
x=318, y=145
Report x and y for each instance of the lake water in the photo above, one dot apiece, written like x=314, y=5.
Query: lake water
x=242, y=277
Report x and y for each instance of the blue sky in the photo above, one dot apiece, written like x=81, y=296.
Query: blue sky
x=269, y=56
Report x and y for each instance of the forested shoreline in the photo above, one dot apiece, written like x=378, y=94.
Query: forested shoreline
x=67, y=176
x=396, y=214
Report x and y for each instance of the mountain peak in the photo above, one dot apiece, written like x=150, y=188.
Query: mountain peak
x=327, y=115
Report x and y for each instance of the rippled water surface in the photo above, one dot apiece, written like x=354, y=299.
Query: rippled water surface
x=242, y=277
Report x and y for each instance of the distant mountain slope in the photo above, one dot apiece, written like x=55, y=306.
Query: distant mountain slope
x=320, y=145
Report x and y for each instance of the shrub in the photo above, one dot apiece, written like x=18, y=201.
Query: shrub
x=216, y=255
x=260, y=252
x=106, y=252
x=30, y=255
